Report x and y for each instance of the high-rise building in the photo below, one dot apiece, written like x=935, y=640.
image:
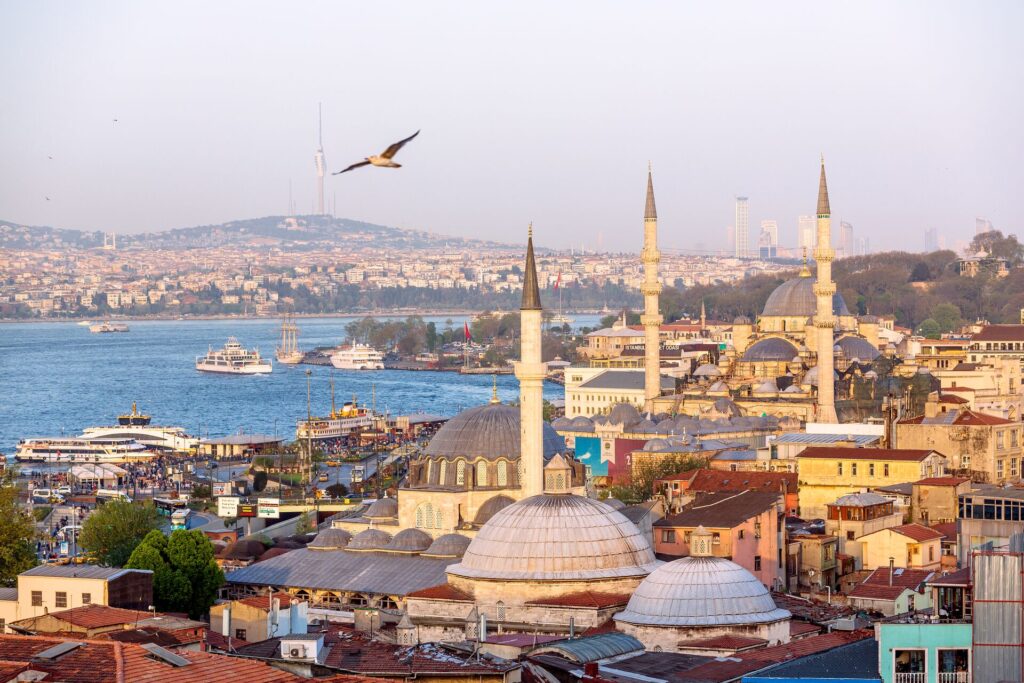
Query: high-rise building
x=742, y=225
x=772, y=228
x=982, y=224
x=931, y=240
x=846, y=244
x=805, y=232
x=768, y=241
x=321, y=165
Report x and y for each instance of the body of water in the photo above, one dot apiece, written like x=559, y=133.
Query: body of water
x=58, y=378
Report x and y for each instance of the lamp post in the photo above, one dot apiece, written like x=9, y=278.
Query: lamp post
x=309, y=421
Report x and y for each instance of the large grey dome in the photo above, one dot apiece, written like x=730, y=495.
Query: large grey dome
x=491, y=507
x=770, y=349
x=859, y=348
x=557, y=537
x=701, y=591
x=795, y=298
x=370, y=539
x=490, y=431
x=448, y=545
x=382, y=508
x=410, y=541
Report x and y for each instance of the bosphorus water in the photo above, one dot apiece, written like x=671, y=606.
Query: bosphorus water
x=58, y=378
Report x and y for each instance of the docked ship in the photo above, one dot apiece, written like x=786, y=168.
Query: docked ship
x=560, y=319
x=82, y=450
x=103, y=328
x=351, y=419
x=234, y=359
x=288, y=352
x=357, y=357
x=137, y=426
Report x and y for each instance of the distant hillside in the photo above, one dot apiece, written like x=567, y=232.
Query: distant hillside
x=298, y=233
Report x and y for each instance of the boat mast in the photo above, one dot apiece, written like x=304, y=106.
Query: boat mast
x=334, y=412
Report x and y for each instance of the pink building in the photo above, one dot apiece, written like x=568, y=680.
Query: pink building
x=747, y=528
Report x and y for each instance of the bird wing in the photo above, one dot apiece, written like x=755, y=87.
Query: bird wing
x=393, y=149
x=355, y=165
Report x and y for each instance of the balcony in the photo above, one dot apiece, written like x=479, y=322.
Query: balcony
x=911, y=678
x=954, y=677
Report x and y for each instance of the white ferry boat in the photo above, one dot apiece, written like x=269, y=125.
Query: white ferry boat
x=82, y=450
x=339, y=424
x=233, y=359
x=135, y=425
x=357, y=357
x=103, y=328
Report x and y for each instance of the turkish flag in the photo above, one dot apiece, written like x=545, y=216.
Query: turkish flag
x=559, y=280
x=465, y=329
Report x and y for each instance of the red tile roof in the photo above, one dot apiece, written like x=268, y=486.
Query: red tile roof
x=723, y=642
x=99, y=616
x=97, y=661
x=876, y=585
x=950, y=398
x=871, y=592
x=743, y=663
x=355, y=653
x=961, y=577
x=942, y=481
x=838, y=452
x=263, y=602
x=583, y=599
x=947, y=529
x=999, y=333
x=798, y=629
x=918, y=532
x=710, y=481
x=443, y=592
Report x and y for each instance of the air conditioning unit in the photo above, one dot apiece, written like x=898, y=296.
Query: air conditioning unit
x=295, y=652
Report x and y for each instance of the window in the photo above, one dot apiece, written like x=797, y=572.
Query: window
x=1013, y=467
x=999, y=439
x=501, y=610
x=442, y=476
x=1013, y=438
x=502, y=473
x=3, y=625
x=716, y=539
x=86, y=598
x=931, y=553
x=37, y=598
x=999, y=468
x=240, y=633
x=757, y=563
x=853, y=469
x=839, y=469
x=851, y=536
x=909, y=661
x=481, y=473
x=61, y=599
x=741, y=534
x=757, y=529
x=953, y=662
x=871, y=469
x=885, y=470
x=668, y=535
x=460, y=473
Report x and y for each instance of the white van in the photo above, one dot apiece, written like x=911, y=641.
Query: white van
x=46, y=496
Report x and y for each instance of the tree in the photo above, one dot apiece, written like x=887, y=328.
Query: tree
x=111, y=533
x=338, y=490
x=641, y=485
x=995, y=244
x=185, y=574
x=17, y=532
x=259, y=480
x=947, y=316
x=304, y=525
x=930, y=329
x=921, y=272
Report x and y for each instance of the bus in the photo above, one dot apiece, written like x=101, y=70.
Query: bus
x=167, y=506
x=180, y=518
x=105, y=495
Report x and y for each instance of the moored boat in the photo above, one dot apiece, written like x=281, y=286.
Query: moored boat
x=234, y=359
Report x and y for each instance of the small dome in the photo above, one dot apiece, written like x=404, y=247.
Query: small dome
x=557, y=537
x=795, y=298
x=370, y=539
x=811, y=377
x=623, y=414
x=243, y=550
x=560, y=423
x=582, y=424
x=701, y=592
x=448, y=545
x=410, y=541
x=656, y=446
x=707, y=370
x=644, y=426
x=719, y=386
x=330, y=539
x=767, y=388
x=491, y=507
x=770, y=349
x=276, y=551
x=741, y=320
x=382, y=508
x=490, y=431
x=792, y=389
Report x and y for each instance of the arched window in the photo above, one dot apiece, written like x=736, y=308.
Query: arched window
x=430, y=471
x=419, y=517
x=481, y=473
x=460, y=473
x=501, y=611
x=443, y=466
x=427, y=517
x=502, y=473
x=439, y=520
x=559, y=482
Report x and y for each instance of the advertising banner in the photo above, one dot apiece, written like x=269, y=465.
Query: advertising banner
x=227, y=506
x=268, y=508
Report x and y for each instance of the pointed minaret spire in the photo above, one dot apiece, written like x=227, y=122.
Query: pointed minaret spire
x=823, y=208
x=531, y=289
x=650, y=211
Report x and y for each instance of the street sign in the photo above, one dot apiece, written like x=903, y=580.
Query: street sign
x=221, y=488
x=246, y=510
x=269, y=508
x=227, y=506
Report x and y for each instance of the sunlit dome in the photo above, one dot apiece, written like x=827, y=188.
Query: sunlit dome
x=490, y=431
x=795, y=298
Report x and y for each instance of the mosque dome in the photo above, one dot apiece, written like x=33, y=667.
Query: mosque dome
x=811, y=378
x=701, y=591
x=795, y=298
x=382, y=508
x=582, y=424
x=771, y=349
x=490, y=431
x=370, y=539
x=561, y=423
x=707, y=370
x=330, y=539
x=644, y=426
x=767, y=387
x=623, y=414
x=410, y=541
x=448, y=545
x=491, y=507
x=614, y=503
x=557, y=537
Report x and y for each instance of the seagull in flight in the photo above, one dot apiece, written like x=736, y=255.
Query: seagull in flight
x=383, y=159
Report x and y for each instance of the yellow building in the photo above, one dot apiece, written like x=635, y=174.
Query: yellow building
x=829, y=472
x=913, y=546
x=986, y=448
x=50, y=588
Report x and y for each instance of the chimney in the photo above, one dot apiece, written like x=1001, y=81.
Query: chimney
x=892, y=562
x=225, y=621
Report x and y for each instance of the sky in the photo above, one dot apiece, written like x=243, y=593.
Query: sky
x=529, y=111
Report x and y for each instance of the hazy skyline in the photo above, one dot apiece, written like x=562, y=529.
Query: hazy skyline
x=542, y=112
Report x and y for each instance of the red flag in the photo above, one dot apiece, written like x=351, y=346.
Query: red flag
x=466, y=330
x=559, y=280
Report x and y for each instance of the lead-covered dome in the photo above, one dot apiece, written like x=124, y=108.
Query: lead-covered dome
x=770, y=349
x=448, y=545
x=701, y=592
x=857, y=348
x=795, y=298
x=490, y=431
x=557, y=537
x=370, y=539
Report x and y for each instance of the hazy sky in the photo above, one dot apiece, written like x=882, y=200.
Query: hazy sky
x=530, y=111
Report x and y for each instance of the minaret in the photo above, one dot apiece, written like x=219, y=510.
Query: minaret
x=824, y=320
x=530, y=372
x=651, y=319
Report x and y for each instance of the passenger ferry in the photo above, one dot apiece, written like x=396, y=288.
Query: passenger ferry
x=135, y=425
x=82, y=450
x=351, y=419
x=357, y=357
x=103, y=328
x=233, y=359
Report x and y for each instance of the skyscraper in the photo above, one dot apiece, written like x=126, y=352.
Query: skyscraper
x=805, y=233
x=931, y=240
x=824, y=320
x=982, y=224
x=846, y=244
x=321, y=164
x=768, y=241
x=651, y=319
x=742, y=225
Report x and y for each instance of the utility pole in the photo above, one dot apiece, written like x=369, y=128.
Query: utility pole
x=309, y=436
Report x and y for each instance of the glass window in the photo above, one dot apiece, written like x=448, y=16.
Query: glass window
x=885, y=470
x=481, y=473
x=909, y=661
x=460, y=473
x=502, y=473
x=61, y=599
x=954, y=661
x=741, y=534
x=501, y=610
x=716, y=538
x=839, y=469
x=37, y=598
x=999, y=439
x=871, y=469
x=757, y=563
x=853, y=469
x=668, y=536
x=86, y=598
x=851, y=536
x=240, y=633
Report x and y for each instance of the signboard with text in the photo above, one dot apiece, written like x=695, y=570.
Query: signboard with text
x=227, y=506
x=221, y=488
x=246, y=510
x=269, y=508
